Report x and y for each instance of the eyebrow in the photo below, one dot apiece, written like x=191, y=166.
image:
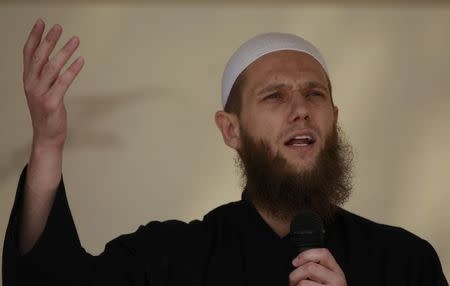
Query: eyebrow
x=272, y=87
x=316, y=84
x=275, y=86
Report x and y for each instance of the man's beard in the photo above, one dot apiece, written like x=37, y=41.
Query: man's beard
x=273, y=185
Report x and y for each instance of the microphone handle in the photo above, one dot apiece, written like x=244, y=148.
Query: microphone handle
x=302, y=248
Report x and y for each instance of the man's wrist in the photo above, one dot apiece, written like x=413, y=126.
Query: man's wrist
x=41, y=148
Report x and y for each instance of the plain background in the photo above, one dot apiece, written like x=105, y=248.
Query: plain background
x=142, y=141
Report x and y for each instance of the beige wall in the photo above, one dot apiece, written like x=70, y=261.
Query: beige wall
x=142, y=141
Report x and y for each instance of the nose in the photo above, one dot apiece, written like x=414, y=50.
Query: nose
x=298, y=109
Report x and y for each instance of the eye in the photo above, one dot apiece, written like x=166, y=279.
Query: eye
x=315, y=93
x=274, y=95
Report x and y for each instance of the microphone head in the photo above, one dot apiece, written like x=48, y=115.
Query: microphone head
x=307, y=231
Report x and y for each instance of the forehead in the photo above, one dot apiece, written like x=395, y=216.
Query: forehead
x=284, y=66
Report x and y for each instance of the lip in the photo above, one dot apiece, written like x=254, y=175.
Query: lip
x=305, y=132
x=302, y=149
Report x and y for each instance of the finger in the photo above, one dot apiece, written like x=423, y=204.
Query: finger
x=321, y=256
x=53, y=67
x=312, y=271
x=64, y=80
x=42, y=53
x=308, y=283
x=34, y=38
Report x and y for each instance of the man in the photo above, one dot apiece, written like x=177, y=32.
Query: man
x=280, y=118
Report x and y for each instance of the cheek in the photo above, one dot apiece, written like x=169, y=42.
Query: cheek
x=270, y=125
x=266, y=127
x=326, y=124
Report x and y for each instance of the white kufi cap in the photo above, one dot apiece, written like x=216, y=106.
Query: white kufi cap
x=257, y=47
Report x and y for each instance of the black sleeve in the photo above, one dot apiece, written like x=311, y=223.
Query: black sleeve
x=57, y=258
x=57, y=254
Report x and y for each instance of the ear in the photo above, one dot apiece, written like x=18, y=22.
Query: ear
x=335, y=113
x=228, y=124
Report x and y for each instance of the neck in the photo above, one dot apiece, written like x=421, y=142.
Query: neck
x=279, y=226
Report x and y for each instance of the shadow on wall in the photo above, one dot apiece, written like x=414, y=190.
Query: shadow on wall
x=86, y=111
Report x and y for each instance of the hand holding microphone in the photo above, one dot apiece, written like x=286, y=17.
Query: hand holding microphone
x=314, y=264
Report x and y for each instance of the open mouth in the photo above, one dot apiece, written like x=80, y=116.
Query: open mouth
x=300, y=141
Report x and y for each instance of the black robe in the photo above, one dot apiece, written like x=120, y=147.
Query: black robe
x=232, y=245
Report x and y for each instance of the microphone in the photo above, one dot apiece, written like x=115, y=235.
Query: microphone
x=307, y=231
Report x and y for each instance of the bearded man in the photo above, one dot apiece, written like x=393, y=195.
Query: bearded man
x=280, y=117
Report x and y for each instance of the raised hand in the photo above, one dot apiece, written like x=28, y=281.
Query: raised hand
x=45, y=84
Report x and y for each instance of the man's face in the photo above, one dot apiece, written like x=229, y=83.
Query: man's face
x=286, y=103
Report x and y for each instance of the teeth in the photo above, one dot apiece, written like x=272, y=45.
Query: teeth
x=306, y=140
x=303, y=137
